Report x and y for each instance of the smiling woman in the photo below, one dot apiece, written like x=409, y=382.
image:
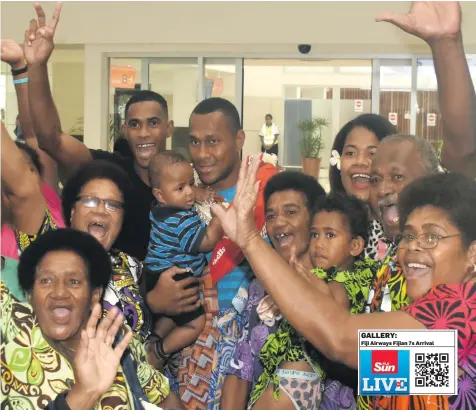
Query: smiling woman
x=290, y=197
x=437, y=206
x=64, y=274
x=95, y=200
x=355, y=144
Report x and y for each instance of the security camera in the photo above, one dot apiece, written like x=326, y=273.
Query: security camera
x=304, y=48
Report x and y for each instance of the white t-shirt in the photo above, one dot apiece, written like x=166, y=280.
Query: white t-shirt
x=268, y=133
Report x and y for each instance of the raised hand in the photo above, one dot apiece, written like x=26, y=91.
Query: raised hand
x=39, y=37
x=430, y=21
x=12, y=54
x=238, y=220
x=96, y=361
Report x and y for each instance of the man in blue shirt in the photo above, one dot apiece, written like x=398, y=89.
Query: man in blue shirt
x=216, y=141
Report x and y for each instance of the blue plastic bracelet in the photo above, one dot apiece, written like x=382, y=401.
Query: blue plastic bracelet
x=21, y=81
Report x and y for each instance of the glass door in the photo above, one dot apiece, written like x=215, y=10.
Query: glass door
x=183, y=82
x=177, y=80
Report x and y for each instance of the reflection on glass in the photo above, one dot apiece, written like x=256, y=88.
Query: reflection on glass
x=294, y=90
x=220, y=81
x=124, y=82
x=428, y=118
x=395, y=95
x=429, y=124
x=178, y=84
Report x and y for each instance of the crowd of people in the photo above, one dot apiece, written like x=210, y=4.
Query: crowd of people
x=149, y=282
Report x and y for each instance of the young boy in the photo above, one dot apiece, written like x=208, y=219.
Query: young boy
x=338, y=236
x=178, y=238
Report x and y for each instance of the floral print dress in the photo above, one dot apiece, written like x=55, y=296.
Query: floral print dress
x=245, y=363
x=34, y=373
x=286, y=345
x=445, y=307
x=122, y=290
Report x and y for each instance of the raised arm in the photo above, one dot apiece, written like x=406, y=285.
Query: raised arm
x=318, y=316
x=439, y=25
x=12, y=54
x=64, y=148
x=212, y=235
x=322, y=320
x=21, y=185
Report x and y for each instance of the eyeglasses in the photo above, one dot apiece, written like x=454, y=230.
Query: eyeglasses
x=90, y=201
x=424, y=240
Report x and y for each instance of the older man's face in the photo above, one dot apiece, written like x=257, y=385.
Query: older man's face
x=394, y=166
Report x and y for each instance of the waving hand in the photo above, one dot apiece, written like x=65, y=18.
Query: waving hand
x=39, y=38
x=428, y=20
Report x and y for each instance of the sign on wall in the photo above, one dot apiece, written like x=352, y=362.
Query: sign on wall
x=123, y=77
x=358, y=105
x=393, y=118
x=430, y=119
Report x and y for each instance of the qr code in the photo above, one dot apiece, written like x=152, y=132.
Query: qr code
x=432, y=370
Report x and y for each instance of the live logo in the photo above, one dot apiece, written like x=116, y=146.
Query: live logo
x=384, y=384
x=384, y=372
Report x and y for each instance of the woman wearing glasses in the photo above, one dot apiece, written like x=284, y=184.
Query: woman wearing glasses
x=438, y=254
x=94, y=200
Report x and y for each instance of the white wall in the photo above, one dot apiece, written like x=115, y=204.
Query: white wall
x=99, y=30
x=332, y=27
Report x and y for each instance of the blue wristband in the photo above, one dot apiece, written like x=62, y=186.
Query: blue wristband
x=21, y=81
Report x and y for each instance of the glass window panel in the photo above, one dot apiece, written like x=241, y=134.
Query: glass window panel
x=395, y=94
x=429, y=124
x=292, y=90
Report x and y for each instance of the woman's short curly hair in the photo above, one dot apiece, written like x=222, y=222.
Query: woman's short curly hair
x=379, y=125
x=97, y=169
x=295, y=181
x=455, y=194
x=96, y=259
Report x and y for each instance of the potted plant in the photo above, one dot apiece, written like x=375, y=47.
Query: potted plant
x=312, y=145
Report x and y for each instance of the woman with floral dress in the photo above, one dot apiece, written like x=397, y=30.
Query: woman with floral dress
x=54, y=354
x=94, y=200
x=437, y=252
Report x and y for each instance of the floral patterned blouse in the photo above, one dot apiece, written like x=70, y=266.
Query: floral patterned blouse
x=122, y=290
x=245, y=363
x=446, y=307
x=34, y=373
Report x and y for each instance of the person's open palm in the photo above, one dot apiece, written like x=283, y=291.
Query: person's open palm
x=97, y=361
x=428, y=20
x=39, y=38
x=11, y=52
x=238, y=220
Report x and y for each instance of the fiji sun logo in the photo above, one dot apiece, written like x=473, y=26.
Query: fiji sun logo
x=384, y=372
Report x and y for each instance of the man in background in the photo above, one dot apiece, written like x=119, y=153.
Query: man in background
x=269, y=136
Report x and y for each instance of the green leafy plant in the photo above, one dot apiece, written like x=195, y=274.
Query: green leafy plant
x=439, y=149
x=312, y=144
